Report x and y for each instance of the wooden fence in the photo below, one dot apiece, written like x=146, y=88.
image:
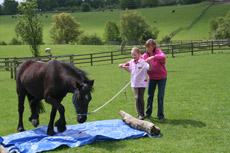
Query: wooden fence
x=179, y=47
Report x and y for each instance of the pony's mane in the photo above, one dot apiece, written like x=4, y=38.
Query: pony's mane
x=78, y=72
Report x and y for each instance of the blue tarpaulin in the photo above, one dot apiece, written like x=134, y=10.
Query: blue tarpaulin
x=36, y=140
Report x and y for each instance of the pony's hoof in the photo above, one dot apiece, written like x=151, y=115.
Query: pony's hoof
x=21, y=129
x=51, y=133
x=60, y=126
x=35, y=122
x=61, y=129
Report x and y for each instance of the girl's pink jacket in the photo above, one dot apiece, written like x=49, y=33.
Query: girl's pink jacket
x=158, y=65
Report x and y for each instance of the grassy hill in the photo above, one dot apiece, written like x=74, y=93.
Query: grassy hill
x=161, y=17
x=201, y=29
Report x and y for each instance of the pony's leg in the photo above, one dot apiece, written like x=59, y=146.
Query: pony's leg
x=34, y=118
x=61, y=123
x=54, y=103
x=50, y=130
x=21, y=98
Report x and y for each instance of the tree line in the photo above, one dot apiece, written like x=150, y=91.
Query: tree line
x=66, y=29
x=10, y=7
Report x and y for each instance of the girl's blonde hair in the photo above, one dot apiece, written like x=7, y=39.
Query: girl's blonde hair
x=136, y=50
x=150, y=42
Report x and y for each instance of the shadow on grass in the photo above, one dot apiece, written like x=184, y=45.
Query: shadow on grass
x=108, y=146
x=183, y=122
x=62, y=148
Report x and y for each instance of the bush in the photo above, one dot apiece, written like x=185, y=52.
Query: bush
x=3, y=43
x=220, y=27
x=90, y=40
x=149, y=3
x=74, y=9
x=15, y=41
x=128, y=4
x=112, y=32
x=85, y=7
x=166, y=39
x=191, y=1
x=149, y=33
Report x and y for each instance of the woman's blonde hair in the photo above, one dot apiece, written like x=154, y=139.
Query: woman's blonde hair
x=136, y=50
x=150, y=42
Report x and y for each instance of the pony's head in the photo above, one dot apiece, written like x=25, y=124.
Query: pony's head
x=81, y=99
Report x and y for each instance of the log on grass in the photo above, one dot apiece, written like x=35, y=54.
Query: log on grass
x=3, y=150
x=142, y=125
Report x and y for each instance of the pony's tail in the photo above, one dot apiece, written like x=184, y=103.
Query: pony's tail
x=39, y=107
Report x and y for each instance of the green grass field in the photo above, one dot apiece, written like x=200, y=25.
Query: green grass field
x=161, y=17
x=196, y=106
x=24, y=50
x=197, y=90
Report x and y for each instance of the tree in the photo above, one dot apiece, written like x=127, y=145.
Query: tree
x=85, y=7
x=112, y=32
x=220, y=27
x=111, y=2
x=44, y=5
x=135, y=28
x=65, y=29
x=149, y=32
x=128, y=4
x=0, y=9
x=72, y=3
x=149, y=3
x=10, y=7
x=29, y=28
x=96, y=3
x=93, y=39
x=191, y=1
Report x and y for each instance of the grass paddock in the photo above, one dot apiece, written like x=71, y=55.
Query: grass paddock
x=196, y=106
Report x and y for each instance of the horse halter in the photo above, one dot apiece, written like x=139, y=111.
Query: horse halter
x=74, y=103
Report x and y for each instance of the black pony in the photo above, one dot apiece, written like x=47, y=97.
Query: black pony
x=51, y=81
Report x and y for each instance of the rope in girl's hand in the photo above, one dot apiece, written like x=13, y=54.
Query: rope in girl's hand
x=117, y=93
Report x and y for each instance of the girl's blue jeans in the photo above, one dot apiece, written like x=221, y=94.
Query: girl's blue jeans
x=161, y=91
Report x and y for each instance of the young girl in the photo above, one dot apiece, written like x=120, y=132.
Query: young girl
x=138, y=67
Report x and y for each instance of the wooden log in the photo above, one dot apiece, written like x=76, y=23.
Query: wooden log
x=3, y=150
x=142, y=125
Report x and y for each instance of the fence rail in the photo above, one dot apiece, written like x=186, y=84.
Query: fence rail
x=179, y=47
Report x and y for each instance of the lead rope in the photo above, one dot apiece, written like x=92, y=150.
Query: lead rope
x=117, y=93
x=123, y=80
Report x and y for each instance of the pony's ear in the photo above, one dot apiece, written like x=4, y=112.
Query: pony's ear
x=91, y=82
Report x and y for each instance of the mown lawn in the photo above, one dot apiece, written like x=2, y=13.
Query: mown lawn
x=196, y=106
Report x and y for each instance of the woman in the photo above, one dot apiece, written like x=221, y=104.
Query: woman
x=157, y=77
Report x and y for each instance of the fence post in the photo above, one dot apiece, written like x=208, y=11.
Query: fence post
x=15, y=68
x=212, y=47
x=172, y=52
x=111, y=57
x=91, y=59
x=11, y=70
x=7, y=63
x=192, y=48
x=71, y=60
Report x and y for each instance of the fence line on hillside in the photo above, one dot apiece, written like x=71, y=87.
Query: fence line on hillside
x=189, y=26
x=11, y=64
